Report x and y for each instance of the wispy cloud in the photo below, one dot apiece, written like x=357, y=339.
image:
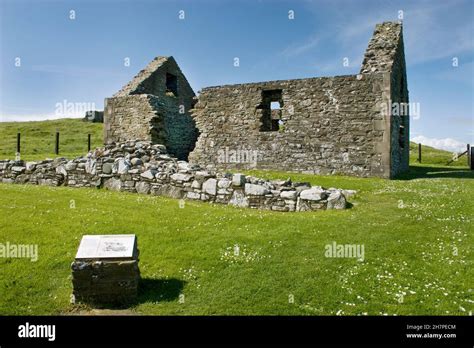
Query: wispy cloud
x=447, y=144
x=75, y=70
x=425, y=35
x=302, y=47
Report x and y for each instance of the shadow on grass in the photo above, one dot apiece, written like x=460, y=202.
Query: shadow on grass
x=159, y=290
x=422, y=172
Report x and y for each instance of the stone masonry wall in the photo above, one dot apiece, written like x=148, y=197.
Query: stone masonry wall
x=134, y=116
x=142, y=167
x=330, y=125
x=385, y=53
x=400, y=123
x=327, y=125
x=151, y=108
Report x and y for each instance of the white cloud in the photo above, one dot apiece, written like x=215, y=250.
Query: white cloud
x=447, y=144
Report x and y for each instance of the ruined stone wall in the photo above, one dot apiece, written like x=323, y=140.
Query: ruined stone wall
x=327, y=125
x=385, y=53
x=149, y=108
x=400, y=117
x=382, y=48
x=133, y=117
x=142, y=167
x=330, y=125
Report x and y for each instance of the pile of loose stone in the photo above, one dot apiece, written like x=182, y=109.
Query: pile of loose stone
x=143, y=167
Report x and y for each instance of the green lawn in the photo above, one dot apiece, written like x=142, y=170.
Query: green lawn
x=416, y=231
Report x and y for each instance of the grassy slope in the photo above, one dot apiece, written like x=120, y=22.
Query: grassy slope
x=417, y=233
x=38, y=138
x=432, y=156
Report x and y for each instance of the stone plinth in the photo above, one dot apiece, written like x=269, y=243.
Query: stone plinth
x=105, y=270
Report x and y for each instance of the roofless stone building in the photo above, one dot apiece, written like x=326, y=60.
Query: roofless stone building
x=154, y=106
x=354, y=124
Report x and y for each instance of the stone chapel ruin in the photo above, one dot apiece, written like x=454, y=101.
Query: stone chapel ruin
x=325, y=125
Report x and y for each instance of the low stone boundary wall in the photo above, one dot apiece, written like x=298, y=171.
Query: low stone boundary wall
x=142, y=167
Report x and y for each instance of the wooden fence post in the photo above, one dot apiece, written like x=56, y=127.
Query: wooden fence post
x=471, y=165
x=18, y=142
x=88, y=142
x=56, y=145
x=419, y=152
x=468, y=155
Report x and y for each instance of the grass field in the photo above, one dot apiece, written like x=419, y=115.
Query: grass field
x=416, y=231
x=38, y=138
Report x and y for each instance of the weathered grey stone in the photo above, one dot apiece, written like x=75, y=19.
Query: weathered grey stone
x=22, y=178
x=107, y=168
x=184, y=166
x=193, y=195
x=210, y=186
x=180, y=177
x=202, y=175
x=256, y=190
x=196, y=184
x=142, y=187
x=113, y=184
x=70, y=166
x=121, y=166
x=61, y=170
x=149, y=174
x=90, y=166
x=171, y=191
x=18, y=169
x=313, y=194
x=336, y=200
x=239, y=199
x=30, y=166
x=136, y=162
x=288, y=194
x=224, y=183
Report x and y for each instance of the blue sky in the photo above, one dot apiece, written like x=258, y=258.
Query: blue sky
x=81, y=60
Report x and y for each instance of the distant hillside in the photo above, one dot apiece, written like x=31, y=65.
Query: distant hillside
x=430, y=155
x=37, y=138
x=37, y=141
